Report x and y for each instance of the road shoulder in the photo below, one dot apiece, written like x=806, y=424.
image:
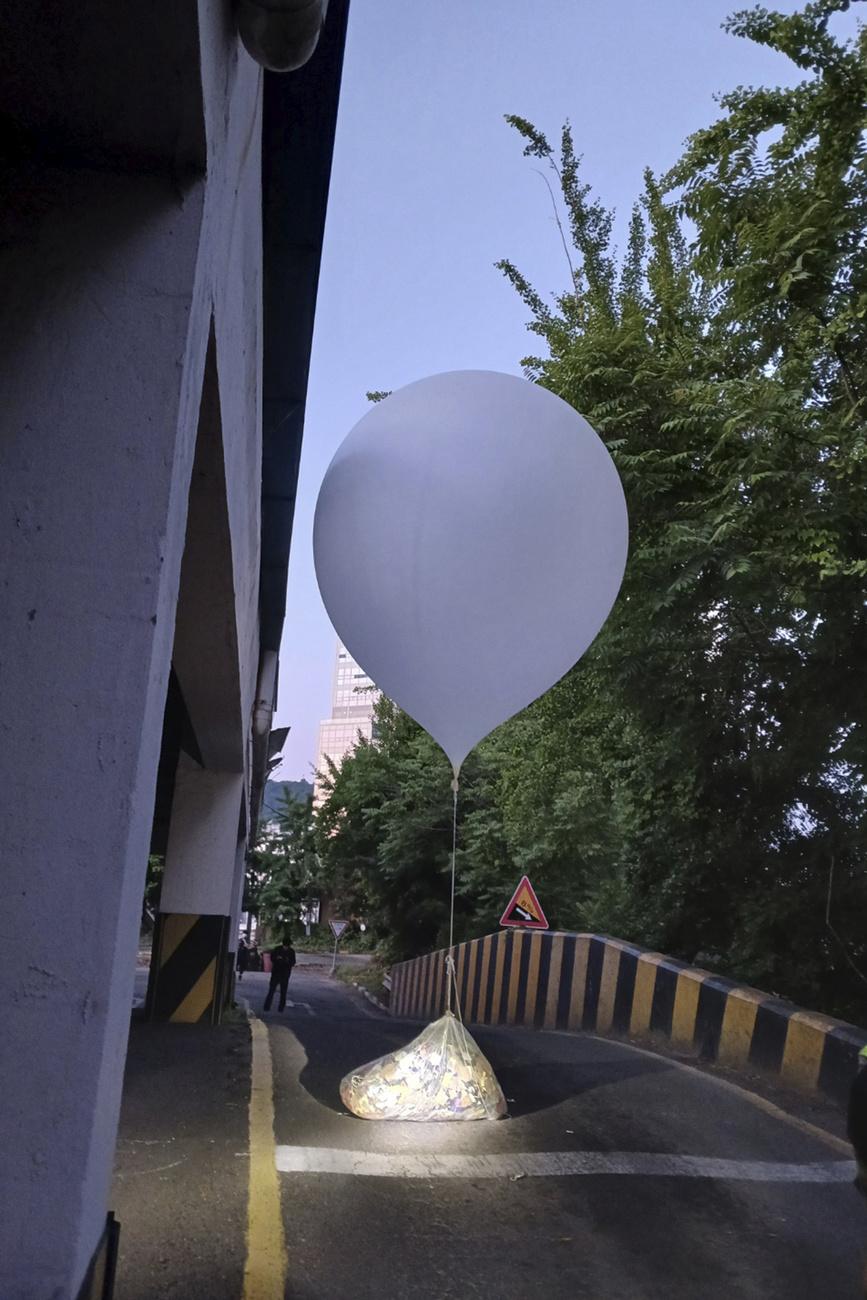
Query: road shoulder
x=181, y=1169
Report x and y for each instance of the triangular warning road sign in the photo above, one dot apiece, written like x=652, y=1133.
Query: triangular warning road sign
x=525, y=909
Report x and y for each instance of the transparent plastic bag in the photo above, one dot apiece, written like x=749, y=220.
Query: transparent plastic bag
x=441, y=1074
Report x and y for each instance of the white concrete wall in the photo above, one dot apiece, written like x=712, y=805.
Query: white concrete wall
x=205, y=656
x=109, y=285
x=93, y=464
x=232, y=255
x=203, y=841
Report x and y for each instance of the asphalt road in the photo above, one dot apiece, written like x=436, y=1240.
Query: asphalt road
x=180, y=1185
x=500, y=1220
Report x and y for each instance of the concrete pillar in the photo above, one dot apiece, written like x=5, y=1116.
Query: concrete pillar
x=102, y=346
x=118, y=263
x=190, y=960
x=238, y=892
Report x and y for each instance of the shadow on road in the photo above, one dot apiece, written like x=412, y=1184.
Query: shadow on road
x=535, y=1071
x=540, y=1085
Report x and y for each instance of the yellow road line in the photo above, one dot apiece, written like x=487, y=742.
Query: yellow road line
x=265, y=1268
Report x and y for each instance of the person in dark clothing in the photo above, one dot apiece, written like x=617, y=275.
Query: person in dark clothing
x=856, y=1125
x=282, y=961
x=856, y=1128
x=243, y=961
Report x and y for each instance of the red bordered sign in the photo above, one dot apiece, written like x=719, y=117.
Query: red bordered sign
x=525, y=910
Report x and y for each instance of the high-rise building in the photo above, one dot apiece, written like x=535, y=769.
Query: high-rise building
x=353, y=698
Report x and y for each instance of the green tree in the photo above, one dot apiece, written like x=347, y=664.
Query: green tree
x=722, y=707
x=699, y=779
x=284, y=868
x=384, y=833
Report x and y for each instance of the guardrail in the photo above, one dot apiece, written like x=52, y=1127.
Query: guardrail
x=590, y=982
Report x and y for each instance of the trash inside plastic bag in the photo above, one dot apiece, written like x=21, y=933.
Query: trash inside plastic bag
x=440, y=1075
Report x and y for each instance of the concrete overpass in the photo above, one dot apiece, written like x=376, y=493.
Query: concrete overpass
x=161, y=235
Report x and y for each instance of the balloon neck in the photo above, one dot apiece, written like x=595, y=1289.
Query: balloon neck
x=457, y=772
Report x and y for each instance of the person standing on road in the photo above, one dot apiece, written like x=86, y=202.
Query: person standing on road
x=282, y=961
x=243, y=958
x=856, y=1129
x=856, y=1125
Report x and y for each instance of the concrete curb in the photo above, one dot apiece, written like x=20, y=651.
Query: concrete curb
x=577, y=982
x=365, y=993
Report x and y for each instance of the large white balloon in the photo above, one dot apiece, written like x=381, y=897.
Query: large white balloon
x=470, y=539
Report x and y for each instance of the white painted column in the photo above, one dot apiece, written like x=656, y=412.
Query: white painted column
x=190, y=959
x=102, y=343
x=199, y=874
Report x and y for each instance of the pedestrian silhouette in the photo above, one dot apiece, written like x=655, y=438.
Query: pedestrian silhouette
x=282, y=961
x=243, y=958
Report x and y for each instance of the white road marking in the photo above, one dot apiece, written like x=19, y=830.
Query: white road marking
x=306, y=1005
x=547, y=1164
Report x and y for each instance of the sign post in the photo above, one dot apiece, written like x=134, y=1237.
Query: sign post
x=309, y=914
x=524, y=910
x=337, y=928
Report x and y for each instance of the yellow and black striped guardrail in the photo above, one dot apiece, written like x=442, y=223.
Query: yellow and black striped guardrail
x=589, y=982
x=189, y=967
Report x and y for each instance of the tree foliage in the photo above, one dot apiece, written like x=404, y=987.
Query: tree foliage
x=283, y=868
x=698, y=779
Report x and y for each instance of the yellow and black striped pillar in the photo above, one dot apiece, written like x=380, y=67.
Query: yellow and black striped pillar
x=189, y=968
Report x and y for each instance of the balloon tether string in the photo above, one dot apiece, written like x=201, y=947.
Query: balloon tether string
x=450, y=960
x=451, y=974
